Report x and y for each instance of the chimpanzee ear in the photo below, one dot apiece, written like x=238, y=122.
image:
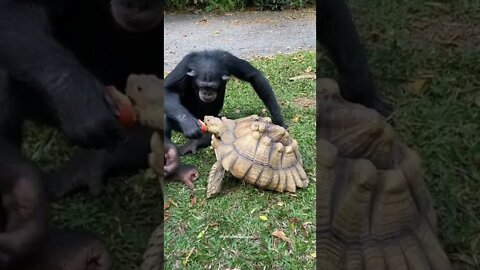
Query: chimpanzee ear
x=191, y=73
x=225, y=77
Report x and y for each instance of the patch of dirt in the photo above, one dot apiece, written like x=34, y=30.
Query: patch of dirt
x=305, y=102
x=459, y=35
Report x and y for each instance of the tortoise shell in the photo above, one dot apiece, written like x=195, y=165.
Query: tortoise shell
x=374, y=208
x=259, y=152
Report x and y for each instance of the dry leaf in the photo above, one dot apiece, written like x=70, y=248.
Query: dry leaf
x=419, y=86
x=304, y=76
x=280, y=204
x=281, y=235
x=170, y=200
x=294, y=220
x=296, y=119
x=193, y=200
x=185, y=261
x=202, y=202
x=264, y=218
x=166, y=205
x=202, y=233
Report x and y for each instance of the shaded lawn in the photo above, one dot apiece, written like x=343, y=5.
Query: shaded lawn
x=123, y=216
x=227, y=231
x=438, y=41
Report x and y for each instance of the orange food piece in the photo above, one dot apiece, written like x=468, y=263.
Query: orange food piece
x=203, y=126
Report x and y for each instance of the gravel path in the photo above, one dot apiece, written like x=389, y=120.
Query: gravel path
x=244, y=34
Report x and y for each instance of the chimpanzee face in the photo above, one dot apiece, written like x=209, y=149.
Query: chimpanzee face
x=207, y=84
x=137, y=15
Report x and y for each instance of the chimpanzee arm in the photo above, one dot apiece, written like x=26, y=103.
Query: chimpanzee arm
x=175, y=86
x=245, y=71
x=337, y=33
x=176, y=112
x=32, y=56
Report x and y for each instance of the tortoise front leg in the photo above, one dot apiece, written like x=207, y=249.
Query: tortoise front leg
x=215, y=179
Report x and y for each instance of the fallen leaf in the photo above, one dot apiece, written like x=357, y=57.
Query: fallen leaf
x=193, y=200
x=202, y=233
x=264, y=218
x=309, y=69
x=281, y=235
x=202, y=202
x=280, y=204
x=166, y=205
x=419, y=86
x=170, y=200
x=313, y=255
x=294, y=220
x=216, y=32
x=304, y=76
x=185, y=261
x=296, y=119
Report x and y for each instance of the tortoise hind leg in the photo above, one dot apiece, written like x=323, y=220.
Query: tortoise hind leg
x=215, y=178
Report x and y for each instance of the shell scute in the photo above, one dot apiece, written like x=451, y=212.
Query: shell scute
x=259, y=152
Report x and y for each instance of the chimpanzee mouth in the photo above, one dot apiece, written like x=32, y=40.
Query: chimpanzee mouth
x=137, y=22
x=207, y=98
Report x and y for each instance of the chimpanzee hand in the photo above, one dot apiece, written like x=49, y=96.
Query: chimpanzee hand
x=278, y=120
x=191, y=128
x=86, y=112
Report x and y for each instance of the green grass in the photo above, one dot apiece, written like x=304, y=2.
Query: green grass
x=443, y=124
x=226, y=231
x=123, y=216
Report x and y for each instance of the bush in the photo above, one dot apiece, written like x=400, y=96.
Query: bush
x=231, y=5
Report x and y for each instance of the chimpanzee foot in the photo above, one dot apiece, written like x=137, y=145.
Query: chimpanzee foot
x=190, y=147
x=187, y=174
x=86, y=169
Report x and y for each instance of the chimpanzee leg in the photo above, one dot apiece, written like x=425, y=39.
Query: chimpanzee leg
x=337, y=33
x=192, y=145
x=88, y=168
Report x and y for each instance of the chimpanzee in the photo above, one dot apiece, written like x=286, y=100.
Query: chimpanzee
x=336, y=32
x=196, y=87
x=26, y=242
x=59, y=56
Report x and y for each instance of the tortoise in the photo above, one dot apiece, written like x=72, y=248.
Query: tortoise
x=374, y=210
x=257, y=151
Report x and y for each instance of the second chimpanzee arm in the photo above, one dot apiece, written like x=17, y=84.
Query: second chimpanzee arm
x=337, y=33
x=32, y=56
x=246, y=72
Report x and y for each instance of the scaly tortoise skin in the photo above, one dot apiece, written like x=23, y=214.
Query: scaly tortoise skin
x=374, y=211
x=256, y=151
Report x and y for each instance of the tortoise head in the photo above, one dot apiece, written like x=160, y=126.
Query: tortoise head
x=214, y=125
